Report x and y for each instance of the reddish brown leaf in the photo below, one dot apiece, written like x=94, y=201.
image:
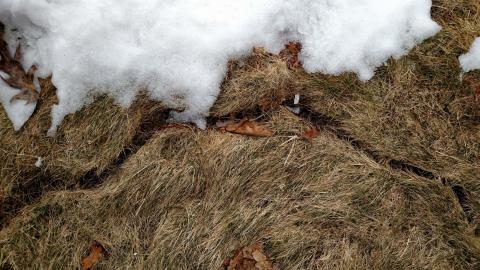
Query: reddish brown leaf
x=291, y=54
x=311, y=133
x=249, y=258
x=477, y=93
x=245, y=127
x=97, y=253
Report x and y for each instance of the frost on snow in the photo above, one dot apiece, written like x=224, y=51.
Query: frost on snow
x=471, y=60
x=178, y=50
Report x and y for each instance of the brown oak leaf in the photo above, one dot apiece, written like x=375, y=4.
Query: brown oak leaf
x=16, y=75
x=291, y=54
x=249, y=258
x=311, y=134
x=97, y=253
x=245, y=127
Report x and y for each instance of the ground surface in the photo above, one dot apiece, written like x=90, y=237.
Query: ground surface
x=391, y=181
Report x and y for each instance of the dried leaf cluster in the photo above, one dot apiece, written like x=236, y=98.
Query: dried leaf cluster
x=249, y=258
x=16, y=77
x=311, y=134
x=97, y=253
x=291, y=54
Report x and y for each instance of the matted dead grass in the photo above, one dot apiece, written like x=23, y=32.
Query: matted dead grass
x=417, y=109
x=87, y=142
x=189, y=198
x=262, y=81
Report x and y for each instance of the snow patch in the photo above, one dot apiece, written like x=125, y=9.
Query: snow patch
x=17, y=111
x=471, y=60
x=178, y=50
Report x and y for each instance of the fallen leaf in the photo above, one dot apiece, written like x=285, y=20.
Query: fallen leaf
x=16, y=75
x=258, y=256
x=249, y=258
x=291, y=54
x=245, y=127
x=311, y=134
x=97, y=252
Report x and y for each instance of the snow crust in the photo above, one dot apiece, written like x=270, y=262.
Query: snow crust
x=178, y=50
x=471, y=60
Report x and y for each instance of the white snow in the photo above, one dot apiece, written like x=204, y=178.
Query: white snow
x=39, y=162
x=18, y=111
x=178, y=50
x=296, y=100
x=471, y=60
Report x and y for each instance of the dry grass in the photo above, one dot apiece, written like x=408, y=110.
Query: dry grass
x=87, y=142
x=188, y=198
x=260, y=81
x=417, y=109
